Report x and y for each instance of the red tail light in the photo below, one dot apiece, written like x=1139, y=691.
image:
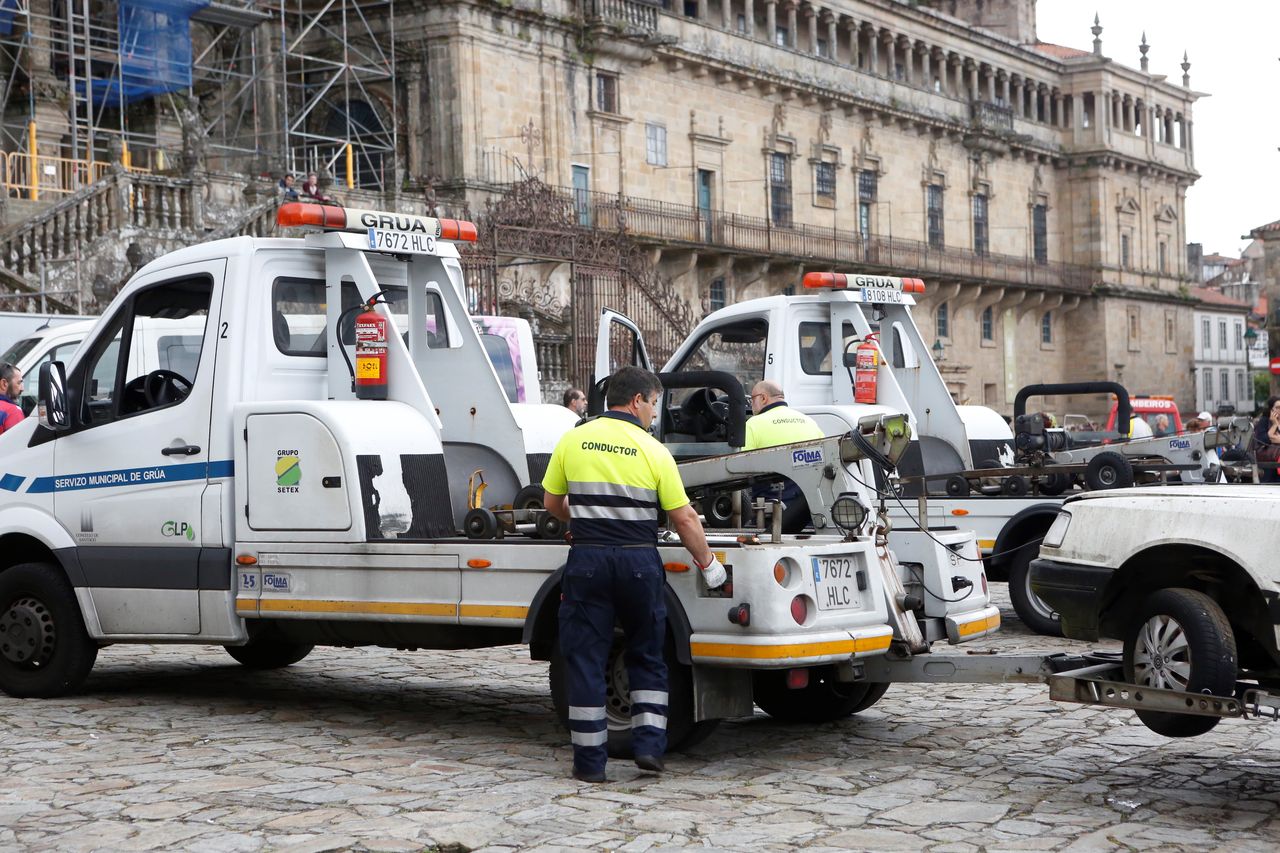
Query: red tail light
x=799, y=610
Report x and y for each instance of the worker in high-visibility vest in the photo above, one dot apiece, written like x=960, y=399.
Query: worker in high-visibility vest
x=774, y=422
x=608, y=478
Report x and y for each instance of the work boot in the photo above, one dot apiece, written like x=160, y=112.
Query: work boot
x=652, y=763
x=584, y=776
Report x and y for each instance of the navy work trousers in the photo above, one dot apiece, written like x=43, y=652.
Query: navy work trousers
x=603, y=584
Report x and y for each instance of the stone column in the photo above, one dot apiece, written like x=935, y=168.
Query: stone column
x=1190, y=139
x=792, y=24
x=813, y=30
x=833, y=38
x=944, y=62
x=1059, y=120
x=771, y=21
x=413, y=118
x=726, y=14
x=908, y=62
x=1004, y=87
x=974, y=84
x=991, y=85
x=926, y=66
x=702, y=10
x=1015, y=98
x=749, y=11
x=873, y=41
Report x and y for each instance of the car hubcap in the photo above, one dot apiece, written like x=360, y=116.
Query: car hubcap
x=27, y=633
x=1107, y=476
x=1162, y=655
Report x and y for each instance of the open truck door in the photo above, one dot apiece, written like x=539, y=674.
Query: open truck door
x=619, y=343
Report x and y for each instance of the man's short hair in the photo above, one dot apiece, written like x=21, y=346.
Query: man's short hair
x=6, y=371
x=572, y=395
x=628, y=382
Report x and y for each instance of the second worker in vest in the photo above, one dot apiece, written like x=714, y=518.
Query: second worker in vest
x=774, y=423
x=608, y=478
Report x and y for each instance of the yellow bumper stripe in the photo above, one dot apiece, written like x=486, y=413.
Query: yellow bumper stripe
x=790, y=650
x=986, y=544
x=977, y=626
x=397, y=608
x=493, y=611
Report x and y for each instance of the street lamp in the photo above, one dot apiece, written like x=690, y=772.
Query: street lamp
x=937, y=350
x=1250, y=335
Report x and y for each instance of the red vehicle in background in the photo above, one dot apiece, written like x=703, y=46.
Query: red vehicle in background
x=1160, y=413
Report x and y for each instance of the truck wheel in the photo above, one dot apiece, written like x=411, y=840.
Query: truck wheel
x=529, y=497
x=1031, y=609
x=1180, y=640
x=44, y=648
x=480, y=523
x=683, y=731
x=1108, y=470
x=957, y=486
x=549, y=527
x=266, y=653
x=717, y=508
x=824, y=699
x=1054, y=484
x=1015, y=486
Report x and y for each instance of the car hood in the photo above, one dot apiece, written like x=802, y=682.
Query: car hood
x=1215, y=491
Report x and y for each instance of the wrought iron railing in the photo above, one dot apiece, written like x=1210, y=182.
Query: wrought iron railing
x=648, y=219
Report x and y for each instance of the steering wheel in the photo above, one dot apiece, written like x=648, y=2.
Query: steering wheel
x=162, y=387
x=705, y=414
x=716, y=407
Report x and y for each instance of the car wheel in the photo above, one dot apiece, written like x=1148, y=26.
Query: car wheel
x=1108, y=470
x=1031, y=609
x=1015, y=486
x=958, y=486
x=1180, y=640
x=45, y=650
x=683, y=731
x=822, y=700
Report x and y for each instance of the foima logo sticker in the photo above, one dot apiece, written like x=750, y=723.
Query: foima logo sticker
x=804, y=457
x=288, y=471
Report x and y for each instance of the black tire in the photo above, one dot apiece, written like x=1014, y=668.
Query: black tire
x=480, y=523
x=269, y=653
x=823, y=700
x=717, y=509
x=1108, y=470
x=45, y=650
x=1031, y=609
x=683, y=731
x=1203, y=658
x=957, y=486
x=549, y=527
x=1054, y=484
x=1016, y=486
x=529, y=497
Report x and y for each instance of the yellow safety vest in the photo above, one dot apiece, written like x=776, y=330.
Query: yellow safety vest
x=777, y=424
x=616, y=476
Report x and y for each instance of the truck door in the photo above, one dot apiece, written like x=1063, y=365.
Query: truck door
x=619, y=343
x=130, y=473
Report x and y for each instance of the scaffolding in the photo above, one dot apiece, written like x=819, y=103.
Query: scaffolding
x=247, y=86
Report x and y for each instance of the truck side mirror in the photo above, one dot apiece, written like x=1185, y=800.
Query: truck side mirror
x=54, y=412
x=850, y=358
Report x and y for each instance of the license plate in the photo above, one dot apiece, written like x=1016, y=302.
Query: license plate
x=837, y=579
x=382, y=240
x=881, y=294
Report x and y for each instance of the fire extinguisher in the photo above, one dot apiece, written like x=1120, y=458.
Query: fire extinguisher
x=371, y=353
x=866, y=361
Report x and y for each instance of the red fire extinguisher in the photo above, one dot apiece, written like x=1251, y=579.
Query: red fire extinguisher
x=866, y=362
x=371, y=354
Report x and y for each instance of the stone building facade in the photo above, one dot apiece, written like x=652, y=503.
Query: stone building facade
x=1039, y=189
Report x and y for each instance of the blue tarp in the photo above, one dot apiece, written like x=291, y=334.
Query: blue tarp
x=8, y=9
x=155, y=51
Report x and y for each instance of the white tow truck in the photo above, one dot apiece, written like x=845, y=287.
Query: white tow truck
x=256, y=503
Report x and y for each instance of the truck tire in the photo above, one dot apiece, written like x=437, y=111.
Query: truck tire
x=267, y=653
x=683, y=731
x=1031, y=609
x=1108, y=470
x=1016, y=486
x=529, y=497
x=957, y=486
x=1180, y=640
x=1054, y=484
x=45, y=650
x=823, y=700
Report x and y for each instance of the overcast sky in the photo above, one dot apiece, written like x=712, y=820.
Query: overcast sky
x=1235, y=59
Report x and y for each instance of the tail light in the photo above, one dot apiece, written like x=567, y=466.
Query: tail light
x=799, y=609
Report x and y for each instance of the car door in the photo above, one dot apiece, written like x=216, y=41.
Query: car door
x=131, y=472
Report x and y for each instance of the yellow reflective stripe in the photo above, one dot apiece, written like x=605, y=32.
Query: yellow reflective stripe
x=986, y=544
x=249, y=604
x=313, y=605
x=493, y=611
x=977, y=626
x=791, y=650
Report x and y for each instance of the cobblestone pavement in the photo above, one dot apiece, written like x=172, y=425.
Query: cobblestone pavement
x=181, y=748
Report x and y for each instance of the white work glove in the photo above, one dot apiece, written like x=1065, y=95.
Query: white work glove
x=713, y=573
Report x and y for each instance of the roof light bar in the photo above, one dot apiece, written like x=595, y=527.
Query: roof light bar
x=841, y=281
x=336, y=218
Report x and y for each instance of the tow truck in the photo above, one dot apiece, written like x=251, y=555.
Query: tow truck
x=269, y=501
